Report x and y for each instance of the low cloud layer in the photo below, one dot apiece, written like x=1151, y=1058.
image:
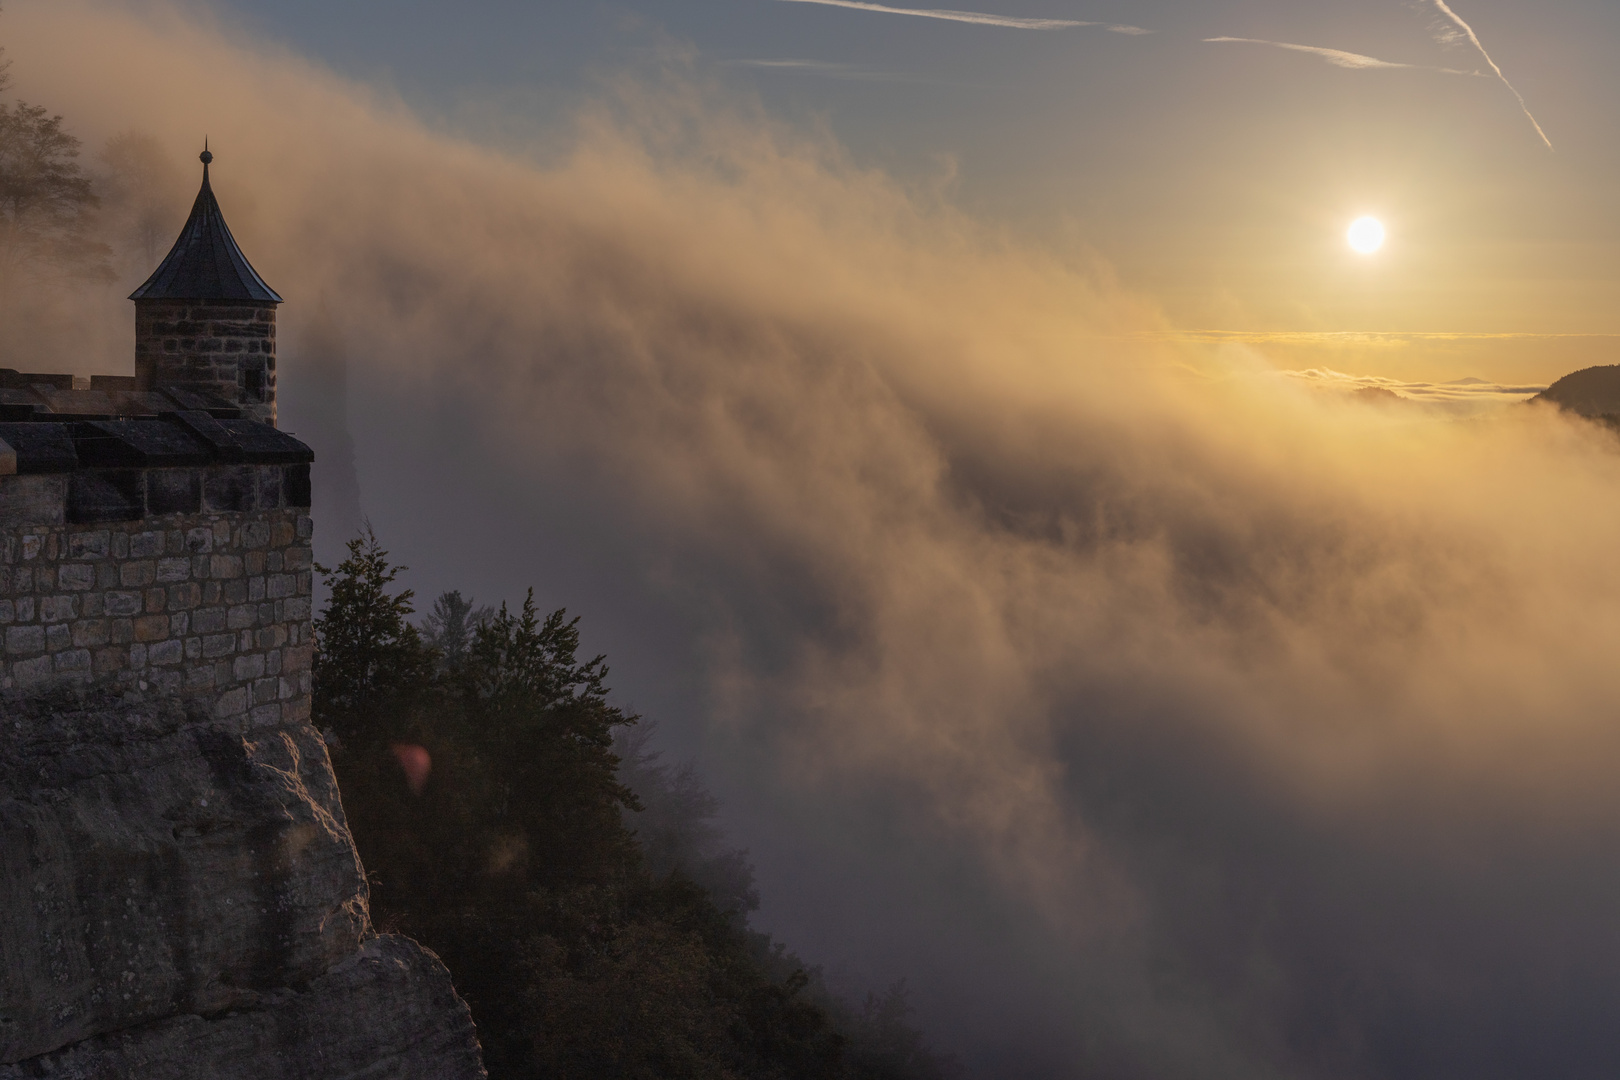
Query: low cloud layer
x=1157, y=717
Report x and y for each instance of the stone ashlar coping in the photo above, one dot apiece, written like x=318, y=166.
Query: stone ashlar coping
x=31, y=396
x=83, y=471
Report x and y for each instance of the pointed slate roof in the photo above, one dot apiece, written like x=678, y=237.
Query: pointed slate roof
x=205, y=263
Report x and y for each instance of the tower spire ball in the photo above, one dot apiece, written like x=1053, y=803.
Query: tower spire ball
x=205, y=157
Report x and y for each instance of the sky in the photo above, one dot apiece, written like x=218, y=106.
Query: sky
x=1216, y=176
x=960, y=451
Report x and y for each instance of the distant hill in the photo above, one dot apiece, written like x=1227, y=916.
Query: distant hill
x=1593, y=391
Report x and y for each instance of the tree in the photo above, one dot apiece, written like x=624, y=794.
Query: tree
x=451, y=626
x=371, y=666
x=46, y=201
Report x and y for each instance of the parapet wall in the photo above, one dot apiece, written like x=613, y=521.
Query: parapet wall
x=215, y=605
x=169, y=554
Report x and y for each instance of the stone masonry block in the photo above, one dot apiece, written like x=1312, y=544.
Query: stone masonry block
x=76, y=576
x=58, y=608
x=74, y=660
x=200, y=541
x=151, y=628
x=248, y=667
x=208, y=620
x=32, y=672
x=219, y=645
x=90, y=633
x=241, y=616
x=155, y=599
x=25, y=640
x=165, y=652
x=124, y=603
x=225, y=566
x=232, y=703
x=58, y=637
x=255, y=588
x=146, y=545
x=90, y=545
x=140, y=572
x=173, y=569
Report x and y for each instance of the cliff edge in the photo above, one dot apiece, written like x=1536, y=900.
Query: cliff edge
x=180, y=897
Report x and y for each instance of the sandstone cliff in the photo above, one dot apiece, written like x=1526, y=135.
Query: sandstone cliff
x=179, y=897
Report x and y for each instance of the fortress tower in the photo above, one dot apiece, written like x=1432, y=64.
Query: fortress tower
x=155, y=530
x=205, y=320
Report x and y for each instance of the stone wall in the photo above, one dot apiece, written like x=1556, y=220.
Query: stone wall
x=223, y=347
x=209, y=604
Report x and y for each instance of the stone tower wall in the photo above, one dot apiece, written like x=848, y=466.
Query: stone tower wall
x=221, y=347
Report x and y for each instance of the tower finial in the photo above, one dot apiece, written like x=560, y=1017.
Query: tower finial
x=205, y=157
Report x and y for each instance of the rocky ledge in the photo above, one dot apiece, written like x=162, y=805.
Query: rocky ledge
x=180, y=897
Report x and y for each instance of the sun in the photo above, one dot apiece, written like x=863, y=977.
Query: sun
x=1366, y=234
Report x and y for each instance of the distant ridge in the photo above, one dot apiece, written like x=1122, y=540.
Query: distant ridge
x=1593, y=391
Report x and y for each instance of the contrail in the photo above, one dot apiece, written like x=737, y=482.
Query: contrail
x=1468, y=31
x=1011, y=22
x=1341, y=58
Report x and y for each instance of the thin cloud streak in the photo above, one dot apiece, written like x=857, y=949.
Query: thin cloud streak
x=1010, y=22
x=1473, y=38
x=1338, y=57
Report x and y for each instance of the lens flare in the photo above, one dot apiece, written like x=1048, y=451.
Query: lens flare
x=1366, y=235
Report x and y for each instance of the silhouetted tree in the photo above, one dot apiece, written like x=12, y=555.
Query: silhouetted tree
x=46, y=201
x=451, y=626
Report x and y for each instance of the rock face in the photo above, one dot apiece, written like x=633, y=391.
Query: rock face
x=180, y=897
